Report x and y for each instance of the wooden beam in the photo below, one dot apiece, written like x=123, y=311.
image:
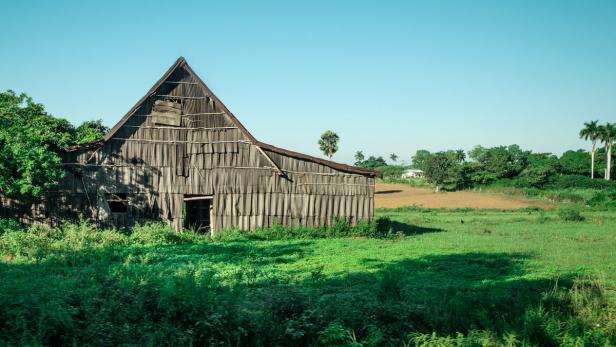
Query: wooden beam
x=171, y=141
x=200, y=114
x=276, y=167
x=178, y=128
x=193, y=198
x=180, y=97
x=185, y=115
x=180, y=82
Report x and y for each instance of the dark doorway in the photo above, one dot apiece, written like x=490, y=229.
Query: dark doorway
x=198, y=213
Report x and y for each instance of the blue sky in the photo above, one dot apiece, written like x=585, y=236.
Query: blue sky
x=387, y=76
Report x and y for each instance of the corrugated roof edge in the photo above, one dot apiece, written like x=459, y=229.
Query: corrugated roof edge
x=181, y=62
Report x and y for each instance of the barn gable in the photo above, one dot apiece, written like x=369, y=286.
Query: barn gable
x=180, y=74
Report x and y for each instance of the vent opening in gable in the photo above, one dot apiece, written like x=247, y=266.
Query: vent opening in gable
x=167, y=112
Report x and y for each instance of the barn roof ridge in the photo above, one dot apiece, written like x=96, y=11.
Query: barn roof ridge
x=181, y=62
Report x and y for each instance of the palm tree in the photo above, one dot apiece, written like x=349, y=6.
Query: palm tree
x=393, y=157
x=359, y=158
x=591, y=132
x=329, y=143
x=607, y=134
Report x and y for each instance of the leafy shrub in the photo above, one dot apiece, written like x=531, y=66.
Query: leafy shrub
x=570, y=214
x=335, y=334
x=9, y=224
x=606, y=198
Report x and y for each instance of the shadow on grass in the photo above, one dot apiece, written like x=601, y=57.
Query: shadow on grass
x=391, y=191
x=387, y=225
x=227, y=293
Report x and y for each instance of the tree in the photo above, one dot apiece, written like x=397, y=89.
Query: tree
x=373, y=162
x=457, y=155
x=574, y=162
x=90, y=131
x=591, y=132
x=498, y=162
x=393, y=157
x=31, y=142
x=420, y=160
x=607, y=134
x=359, y=158
x=329, y=143
x=439, y=169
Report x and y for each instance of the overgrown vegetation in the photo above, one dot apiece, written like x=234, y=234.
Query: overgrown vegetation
x=31, y=141
x=444, y=278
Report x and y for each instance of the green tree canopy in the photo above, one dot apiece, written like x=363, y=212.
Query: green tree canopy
x=498, y=162
x=31, y=141
x=574, y=162
x=420, y=159
x=373, y=162
x=90, y=131
x=440, y=168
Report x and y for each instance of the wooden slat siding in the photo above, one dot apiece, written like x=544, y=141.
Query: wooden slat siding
x=156, y=176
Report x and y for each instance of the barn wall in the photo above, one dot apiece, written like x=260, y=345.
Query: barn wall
x=156, y=165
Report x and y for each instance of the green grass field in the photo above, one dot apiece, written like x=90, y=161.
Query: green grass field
x=439, y=277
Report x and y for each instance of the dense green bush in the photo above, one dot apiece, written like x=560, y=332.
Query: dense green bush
x=570, y=214
x=535, y=177
x=577, y=181
x=9, y=224
x=605, y=198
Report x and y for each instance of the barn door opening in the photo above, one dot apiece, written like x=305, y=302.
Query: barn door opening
x=198, y=212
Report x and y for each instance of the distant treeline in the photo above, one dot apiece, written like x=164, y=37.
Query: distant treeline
x=457, y=169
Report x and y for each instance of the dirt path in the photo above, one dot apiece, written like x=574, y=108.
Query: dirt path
x=397, y=195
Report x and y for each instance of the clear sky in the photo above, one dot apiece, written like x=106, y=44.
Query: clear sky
x=387, y=76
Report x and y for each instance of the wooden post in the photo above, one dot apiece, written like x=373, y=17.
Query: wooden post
x=212, y=230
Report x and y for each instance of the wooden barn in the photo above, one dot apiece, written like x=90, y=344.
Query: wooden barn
x=180, y=156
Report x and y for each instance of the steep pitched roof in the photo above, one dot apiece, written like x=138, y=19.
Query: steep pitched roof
x=181, y=62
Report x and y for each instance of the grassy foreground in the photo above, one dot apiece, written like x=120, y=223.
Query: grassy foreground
x=433, y=277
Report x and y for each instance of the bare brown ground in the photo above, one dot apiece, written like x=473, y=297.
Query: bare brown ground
x=398, y=195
